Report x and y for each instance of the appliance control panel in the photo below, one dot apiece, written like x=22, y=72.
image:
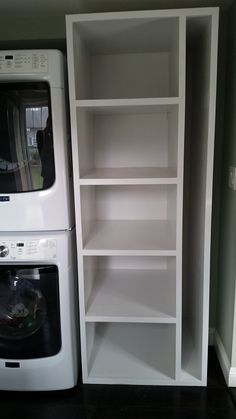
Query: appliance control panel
x=27, y=62
x=11, y=250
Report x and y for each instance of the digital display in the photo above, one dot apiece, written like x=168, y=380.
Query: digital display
x=20, y=245
x=8, y=57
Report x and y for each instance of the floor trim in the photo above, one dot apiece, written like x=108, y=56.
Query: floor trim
x=232, y=377
x=228, y=372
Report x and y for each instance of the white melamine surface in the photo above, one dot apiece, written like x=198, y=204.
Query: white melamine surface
x=131, y=140
x=139, y=105
x=131, y=352
x=128, y=139
x=135, y=202
x=190, y=354
x=131, y=75
x=132, y=295
x=111, y=35
x=130, y=175
x=199, y=174
x=129, y=218
x=123, y=237
x=126, y=59
x=128, y=88
x=186, y=379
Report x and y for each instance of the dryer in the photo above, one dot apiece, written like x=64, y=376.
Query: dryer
x=35, y=182
x=38, y=339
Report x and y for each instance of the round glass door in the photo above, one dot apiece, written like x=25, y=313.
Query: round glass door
x=22, y=305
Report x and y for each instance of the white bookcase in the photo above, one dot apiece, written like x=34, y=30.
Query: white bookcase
x=142, y=101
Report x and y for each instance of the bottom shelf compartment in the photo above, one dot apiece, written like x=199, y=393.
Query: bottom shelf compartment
x=130, y=353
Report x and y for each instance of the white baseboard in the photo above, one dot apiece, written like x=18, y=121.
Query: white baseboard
x=222, y=357
x=232, y=377
x=228, y=371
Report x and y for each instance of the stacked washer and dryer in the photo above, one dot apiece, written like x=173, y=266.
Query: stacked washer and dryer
x=38, y=313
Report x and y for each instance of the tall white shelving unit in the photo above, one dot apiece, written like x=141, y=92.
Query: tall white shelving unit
x=142, y=100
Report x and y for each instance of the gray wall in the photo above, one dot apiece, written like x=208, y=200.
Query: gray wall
x=227, y=233
x=31, y=28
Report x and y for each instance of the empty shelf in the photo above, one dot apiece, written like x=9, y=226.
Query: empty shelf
x=131, y=353
x=128, y=176
x=162, y=104
x=155, y=237
x=125, y=295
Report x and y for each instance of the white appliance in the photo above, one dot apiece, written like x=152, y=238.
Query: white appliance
x=35, y=186
x=38, y=293
x=37, y=311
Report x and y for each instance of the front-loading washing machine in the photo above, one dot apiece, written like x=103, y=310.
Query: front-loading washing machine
x=38, y=311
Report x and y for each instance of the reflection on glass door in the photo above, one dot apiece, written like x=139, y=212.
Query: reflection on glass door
x=26, y=138
x=36, y=118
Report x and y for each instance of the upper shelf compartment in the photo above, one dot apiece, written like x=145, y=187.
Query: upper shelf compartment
x=128, y=146
x=126, y=58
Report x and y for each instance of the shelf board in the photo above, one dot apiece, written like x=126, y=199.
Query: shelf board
x=131, y=176
x=150, y=238
x=162, y=104
x=131, y=295
x=119, y=353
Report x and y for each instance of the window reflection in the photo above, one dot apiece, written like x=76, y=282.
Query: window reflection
x=35, y=122
x=26, y=140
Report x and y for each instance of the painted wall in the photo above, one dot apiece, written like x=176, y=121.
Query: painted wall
x=46, y=27
x=225, y=323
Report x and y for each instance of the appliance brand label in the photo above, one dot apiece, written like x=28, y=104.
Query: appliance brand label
x=4, y=198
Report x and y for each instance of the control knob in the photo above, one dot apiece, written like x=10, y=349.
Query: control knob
x=4, y=251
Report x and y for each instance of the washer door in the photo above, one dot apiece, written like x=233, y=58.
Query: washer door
x=29, y=312
x=22, y=305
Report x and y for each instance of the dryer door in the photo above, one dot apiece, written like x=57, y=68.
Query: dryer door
x=26, y=138
x=29, y=312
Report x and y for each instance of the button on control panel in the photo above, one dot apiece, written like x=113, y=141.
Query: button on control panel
x=29, y=62
x=28, y=249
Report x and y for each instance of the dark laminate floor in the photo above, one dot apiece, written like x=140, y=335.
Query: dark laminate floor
x=126, y=402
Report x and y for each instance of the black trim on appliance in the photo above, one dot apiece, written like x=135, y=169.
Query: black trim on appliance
x=12, y=364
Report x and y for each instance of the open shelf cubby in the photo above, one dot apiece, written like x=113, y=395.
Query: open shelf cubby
x=137, y=289
x=129, y=218
x=128, y=144
x=116, y=352
x=124, y=59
